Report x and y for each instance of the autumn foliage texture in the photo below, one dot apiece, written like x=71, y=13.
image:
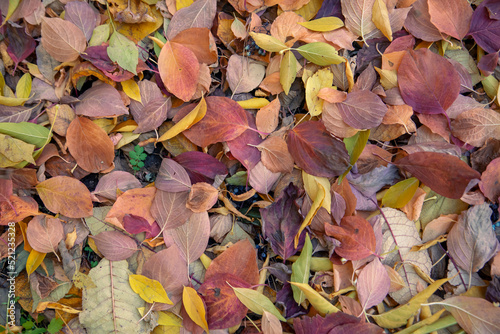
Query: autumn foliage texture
x=297, y=166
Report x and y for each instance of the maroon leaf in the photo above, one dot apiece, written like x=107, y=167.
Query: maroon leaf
x=356, y=236
x=418, y=22
x=427, y=82
x=338, y=323
x=81, y=15
x=488, y=63
x=247, y=154
x=484, y=28
x=21, y=45
x=316, y=151
x=447, y=175
x=200, y=166
x=225, y=120
x=362, y=109
x=281, y=222
x=114, y=245
x=172, y=177
x=135, y=224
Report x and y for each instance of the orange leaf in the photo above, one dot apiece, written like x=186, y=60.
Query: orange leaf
x=44, y=234
x=66, y=195
x=135, y=202
x=179, y=70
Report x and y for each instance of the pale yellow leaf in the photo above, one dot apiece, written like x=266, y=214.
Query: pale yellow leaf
x=323, y=24
x=380, y=16
x=131, y=88
x=321, y=79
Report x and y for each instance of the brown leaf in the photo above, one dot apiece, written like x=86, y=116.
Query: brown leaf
x=490, y=181
x=17, y=208
x=202, y=197
x=114, y=245
x=44, y=234
x=267, y=117
x=169, y=209
x=362, y=109
x=134, y=202
x=65, y=115
x=110, y=183
x=101, y=100
x=451, y=17
x=152, y=115
x=275, y=155
x=200, y=14
x=192, y=237
x=475, y=126
x=244, y=74
x=90, y=145
x=447, y=175
x=62, y=39
x=419, y=24
x=66, y=195
x=334, y=123
x=198, y=41
x=262, y=179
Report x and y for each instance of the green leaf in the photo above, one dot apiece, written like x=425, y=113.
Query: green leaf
x=133, y=162
x=28, y=132
x=23, y=88
x=301, y=270
x=28, y=324
x=238, y=179
x=99, y=35
x=401, y=193
x=257, y=302
x=142, y=156
x=55, y=326
x=268, y=42
x=12, y=7
x=138, y=149
x=323, y=24
x=133, y=155
x=124, y=52
x=140, y=164
x=156, y=47
x=288, y=71
x=355, y=145
x=320, y=53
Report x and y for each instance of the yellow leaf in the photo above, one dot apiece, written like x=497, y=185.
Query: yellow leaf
x=312, y=186
x=12, y=101
x=194, y=307
x=23, y=88
x=127, y=126
x=380, y=16
x=309, y=10
x=34, y=260
x=179, y=4
x=169, y=319
x=56, y=306
x=149, y=289
x=131, y=88
x=255, y=103
x=2, y=83
x=127, y=138
x=288, y=71
x=388, y=78
x=321, y=79
x=321, y=305
x=13, y=151
x=401, y=193
x=158, y=42
x=268, y=42
x=187, y=121
x=323, y=24
x=318, y=202
x=398, y=317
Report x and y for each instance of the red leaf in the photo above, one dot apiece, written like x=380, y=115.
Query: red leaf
x=427, y=82
x=356, y=236
x=200, y=166
x=447, y=175
x=451, y=17
x=316, y=151
x=225, y=120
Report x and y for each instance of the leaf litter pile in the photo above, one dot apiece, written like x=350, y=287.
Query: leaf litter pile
x=253, y=166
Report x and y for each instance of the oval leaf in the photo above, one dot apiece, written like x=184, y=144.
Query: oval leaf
x=149, y=289
x=62, y=39
x=44, y=234
x=373, y=284
x=320, y=53
x=193, y=304
x=257, y=302
x=401, y=193
x=114, y=245
x=172, y=177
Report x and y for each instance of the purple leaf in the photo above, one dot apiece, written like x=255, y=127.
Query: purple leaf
x=281, y=222
x=338, y=323
x=373, y=284
x=285, y=298
x=248, y=155
x=488, y=63
x=101, y=100
x=486, y=29
x=330, y=8
x=152, y=115
x=135, y=224
x=172, y=177
x=21, y=45
x=201, y=167
x=81, y=15
x=362, y=109
x=110, y=183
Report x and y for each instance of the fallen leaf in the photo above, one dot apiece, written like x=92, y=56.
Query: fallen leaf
x=476, y=125
x=373, y=284
x=172, y=177
x=62, y=39
x=275, y=155
x=452, y=18
x=44, y=234
x=202, y=197
x=149, y=289
x=192, y=237
x=244, y=74
x=194, y=306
